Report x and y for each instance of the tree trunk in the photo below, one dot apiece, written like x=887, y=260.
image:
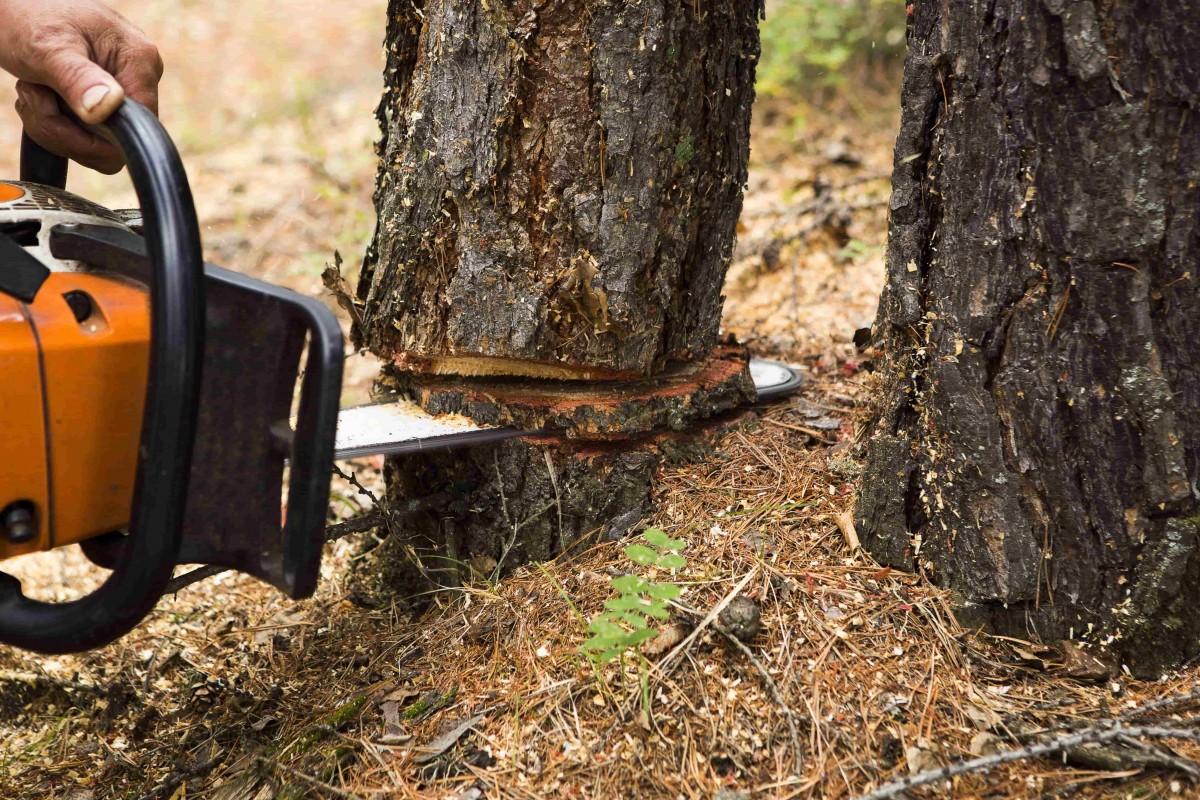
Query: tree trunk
x=558, y=192
x=1037, y=441
x=559, y=184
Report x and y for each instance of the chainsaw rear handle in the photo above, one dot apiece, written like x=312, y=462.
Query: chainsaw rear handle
x=177, y=313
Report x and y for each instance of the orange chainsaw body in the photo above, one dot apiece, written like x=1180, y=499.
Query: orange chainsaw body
x=73, y=364
x=153, y=408
x=71, y=412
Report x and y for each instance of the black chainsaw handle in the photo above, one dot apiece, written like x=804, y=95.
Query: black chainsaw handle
x=39, y=165
x=177, y=309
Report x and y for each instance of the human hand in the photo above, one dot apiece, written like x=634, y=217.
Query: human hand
x=85, y=53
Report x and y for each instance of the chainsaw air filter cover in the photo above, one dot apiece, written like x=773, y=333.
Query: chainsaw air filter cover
x=74, y=353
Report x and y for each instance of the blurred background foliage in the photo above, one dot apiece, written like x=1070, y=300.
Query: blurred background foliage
x=819, y=51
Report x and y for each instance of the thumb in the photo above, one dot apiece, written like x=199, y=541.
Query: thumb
x=91, y=92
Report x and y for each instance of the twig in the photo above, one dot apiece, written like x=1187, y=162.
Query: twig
x=1160, y=704
x=788, y=714
x=812, y=205
x=562, y=542
x=845, y=523
x=512, y=540
x=664, y=664
x=1059, y=745
x=352, y=479
x=1157, y=757
x=193, y=576
x=177, y=778
x=361, y=524
x=813, y=432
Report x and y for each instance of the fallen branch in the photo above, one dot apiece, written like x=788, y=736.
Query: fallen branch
x=1062, y=744
x=785, y=709
x=1157, y=757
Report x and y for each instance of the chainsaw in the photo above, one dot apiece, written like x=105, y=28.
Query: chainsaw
x=148, y=400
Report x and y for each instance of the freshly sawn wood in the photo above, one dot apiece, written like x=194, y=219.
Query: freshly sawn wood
x=608, y=410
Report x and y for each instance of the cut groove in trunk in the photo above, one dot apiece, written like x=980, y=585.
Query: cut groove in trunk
x=608, y=410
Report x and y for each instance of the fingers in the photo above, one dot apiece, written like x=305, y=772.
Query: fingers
x=88, y=54
x=138, y=68
x=47, y=125
x=87, y=88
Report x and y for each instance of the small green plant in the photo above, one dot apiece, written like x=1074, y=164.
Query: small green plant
x=627, y=620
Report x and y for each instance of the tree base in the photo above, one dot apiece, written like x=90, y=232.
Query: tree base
x=490, y=509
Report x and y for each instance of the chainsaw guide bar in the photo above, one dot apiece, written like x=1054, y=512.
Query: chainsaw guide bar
x=401, y=426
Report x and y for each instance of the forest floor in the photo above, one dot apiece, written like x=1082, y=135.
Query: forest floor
x=860, y=676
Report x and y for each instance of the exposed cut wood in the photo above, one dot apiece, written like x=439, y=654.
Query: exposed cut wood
x=484, y=366
x=672, y=400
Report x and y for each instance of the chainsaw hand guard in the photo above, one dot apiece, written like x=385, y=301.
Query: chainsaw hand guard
x=177, y=319
x=255, y=335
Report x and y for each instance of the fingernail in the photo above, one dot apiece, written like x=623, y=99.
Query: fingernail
x=95, y=96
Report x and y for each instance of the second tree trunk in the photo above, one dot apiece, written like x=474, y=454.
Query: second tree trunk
x=1037, y=446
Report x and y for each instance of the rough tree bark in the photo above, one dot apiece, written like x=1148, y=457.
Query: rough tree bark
x=559, y=186
x=560, y=183
x=1037, y=441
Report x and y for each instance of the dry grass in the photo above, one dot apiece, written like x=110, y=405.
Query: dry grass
x=229, y=691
